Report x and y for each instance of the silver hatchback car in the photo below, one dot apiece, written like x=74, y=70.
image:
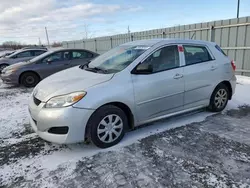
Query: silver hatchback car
x=130, y=85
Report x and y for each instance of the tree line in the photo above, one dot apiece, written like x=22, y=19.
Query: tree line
x=13, y=45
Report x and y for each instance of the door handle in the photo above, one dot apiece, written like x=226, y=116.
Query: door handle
x=178, y=76
x=213, y=68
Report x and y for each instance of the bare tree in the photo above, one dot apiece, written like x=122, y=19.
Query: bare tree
x=56, y=44
x=11, y=45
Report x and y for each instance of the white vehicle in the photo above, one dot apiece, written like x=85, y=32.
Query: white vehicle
x=132, y=84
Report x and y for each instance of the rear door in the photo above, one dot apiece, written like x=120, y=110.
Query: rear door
x=53, y=63
x=80, y=57
x=200, y=75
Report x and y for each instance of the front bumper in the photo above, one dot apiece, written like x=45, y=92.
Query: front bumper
x=10, y=78
x=43, y=119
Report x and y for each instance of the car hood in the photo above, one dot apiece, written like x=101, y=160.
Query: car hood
x=17, y=65
x=68, y=81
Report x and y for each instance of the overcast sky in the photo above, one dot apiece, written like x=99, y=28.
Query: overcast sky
x=24, y=20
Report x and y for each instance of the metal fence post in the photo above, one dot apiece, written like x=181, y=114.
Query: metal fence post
x=211, y=33
x=95, y=46
x=83, y=44
x=111, y=43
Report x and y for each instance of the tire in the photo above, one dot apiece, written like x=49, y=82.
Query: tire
x=99, y=122
x=2, y=67
x=29, y=79
x=219, y=98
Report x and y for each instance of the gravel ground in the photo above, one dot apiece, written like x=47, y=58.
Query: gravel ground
x=214, y=152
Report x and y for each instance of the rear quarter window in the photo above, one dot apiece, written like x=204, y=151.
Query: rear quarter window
x=219, y=49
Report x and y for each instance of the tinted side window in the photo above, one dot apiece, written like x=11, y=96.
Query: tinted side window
x=24, y=54
x=196, y=54
x=38, y=52
x=53, y=57
x=164, y=59
x=81, y=55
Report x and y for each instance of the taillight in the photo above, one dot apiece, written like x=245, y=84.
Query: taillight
x=233, y=65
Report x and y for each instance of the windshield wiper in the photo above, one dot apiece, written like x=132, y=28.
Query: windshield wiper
x=96, y=69
x=85, y=65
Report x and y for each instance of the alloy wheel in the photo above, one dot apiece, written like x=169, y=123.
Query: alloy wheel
x=220, y=98
x=110, y=128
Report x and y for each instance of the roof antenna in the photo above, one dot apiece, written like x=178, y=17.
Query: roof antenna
x=193, y=35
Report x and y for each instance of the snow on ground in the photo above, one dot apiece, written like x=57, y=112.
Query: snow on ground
x=24, y=157
x=13, y=110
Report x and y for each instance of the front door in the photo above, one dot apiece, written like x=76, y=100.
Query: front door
x=162, y=91
x=54, y=63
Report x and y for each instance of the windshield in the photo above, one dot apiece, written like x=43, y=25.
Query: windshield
x=13, y=54
x=117, y=59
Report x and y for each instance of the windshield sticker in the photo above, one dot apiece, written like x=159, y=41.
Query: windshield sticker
x=141, y=47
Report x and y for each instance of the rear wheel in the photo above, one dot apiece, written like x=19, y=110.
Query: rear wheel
x=107, y=126
x=219, y=98
x=3, y=66
x=29, y=79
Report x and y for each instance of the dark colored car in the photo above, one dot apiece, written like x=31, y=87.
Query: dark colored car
x=19, y=56
x=29, y=73
x=7, y=53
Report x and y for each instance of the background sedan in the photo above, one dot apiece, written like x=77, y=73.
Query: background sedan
x=29, y=73
x=19, y=56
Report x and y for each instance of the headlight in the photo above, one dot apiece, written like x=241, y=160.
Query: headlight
x=65, y=100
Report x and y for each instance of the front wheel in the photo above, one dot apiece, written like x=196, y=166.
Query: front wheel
x=29, y=79
x=107, y=126
x=219, y=98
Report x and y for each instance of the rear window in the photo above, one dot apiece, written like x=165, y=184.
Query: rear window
x=218, y=48
x=196, y=54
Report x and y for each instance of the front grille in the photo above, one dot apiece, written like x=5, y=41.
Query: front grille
x=36, y=101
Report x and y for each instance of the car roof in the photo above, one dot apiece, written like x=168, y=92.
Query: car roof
x=151, y=42
x=28, y=49
x=65, y=49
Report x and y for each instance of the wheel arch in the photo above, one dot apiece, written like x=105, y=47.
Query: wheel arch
x=122, y=106
x=229, y=87
x=4, y=64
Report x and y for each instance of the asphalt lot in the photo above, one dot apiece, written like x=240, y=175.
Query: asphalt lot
x=196, y=150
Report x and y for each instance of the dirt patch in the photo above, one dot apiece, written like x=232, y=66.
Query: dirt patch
x=26, y=149
x=27, y=130
x=238, y=113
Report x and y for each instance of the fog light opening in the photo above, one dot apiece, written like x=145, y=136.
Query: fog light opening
x=58, y=130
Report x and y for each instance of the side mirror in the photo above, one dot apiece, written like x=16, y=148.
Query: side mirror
x=14, y=57
x=49, y=61
x=143, y=68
